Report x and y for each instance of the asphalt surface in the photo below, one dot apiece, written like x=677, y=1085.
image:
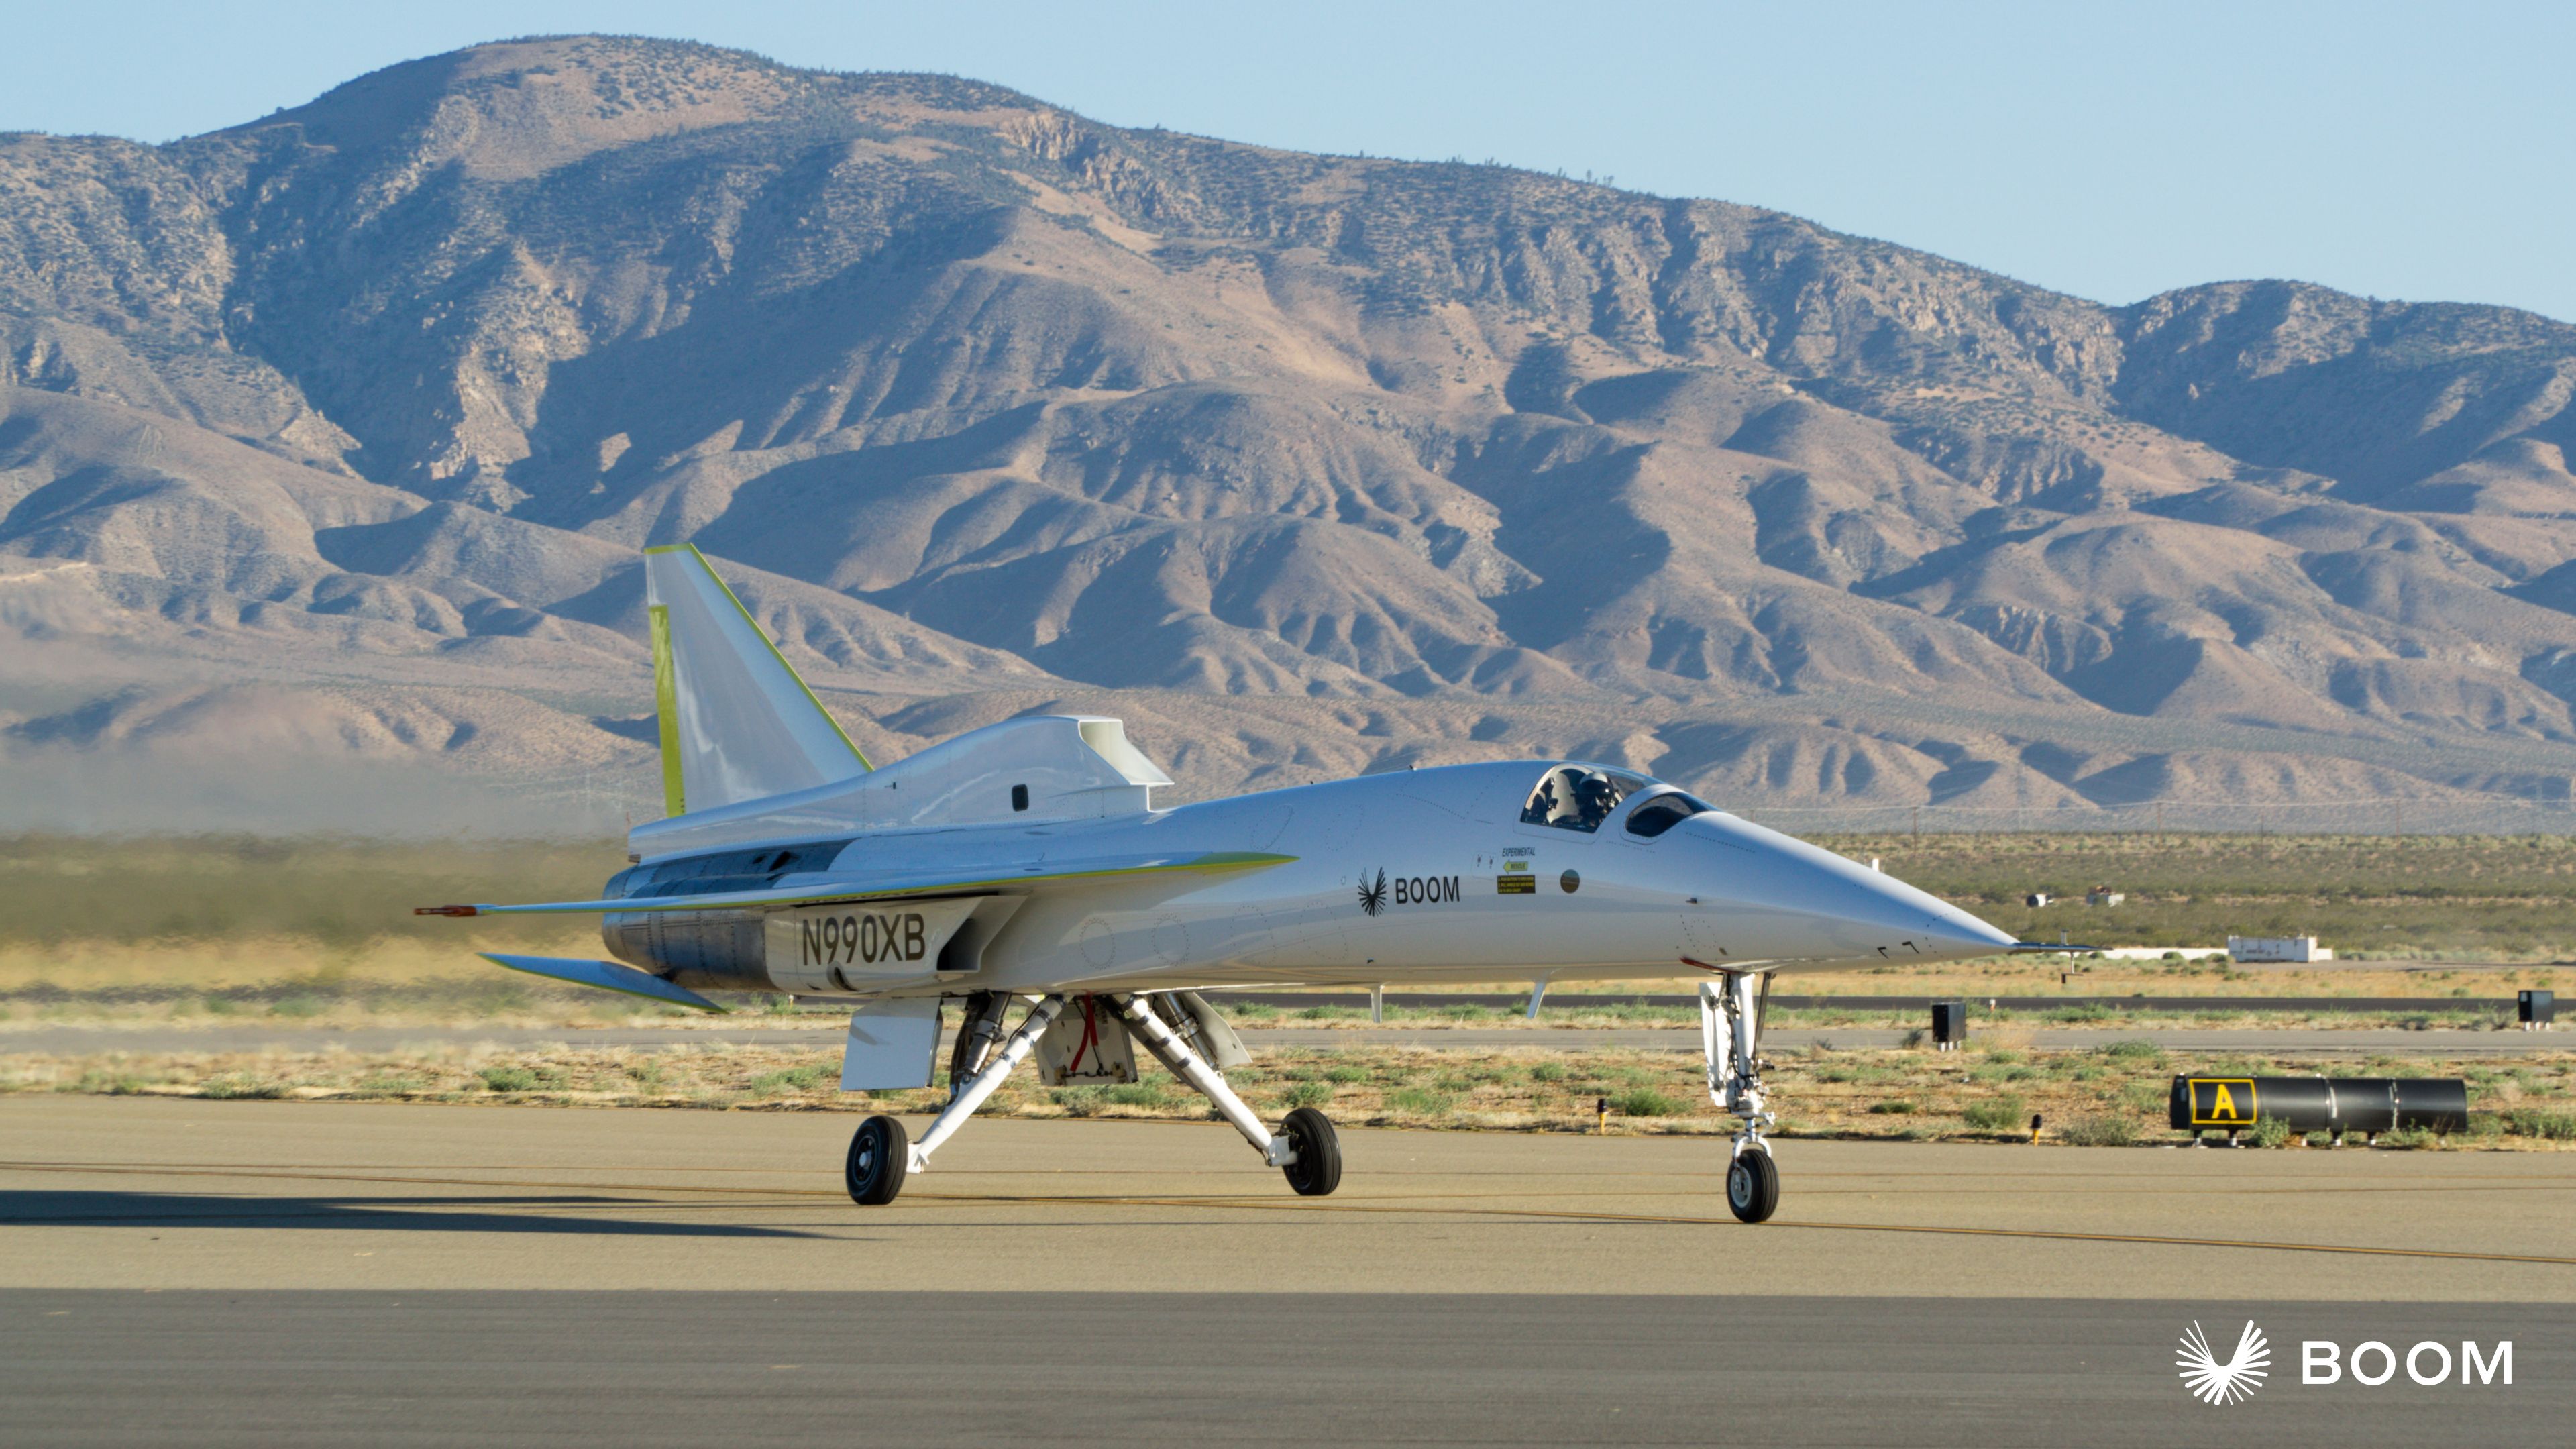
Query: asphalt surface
x=1112, y=1368
x=228, y=1273
x=85, y=1040
x=236, y=1272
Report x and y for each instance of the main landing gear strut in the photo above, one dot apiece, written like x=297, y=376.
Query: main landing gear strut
x=1730, y=1030
x=1304, y=1148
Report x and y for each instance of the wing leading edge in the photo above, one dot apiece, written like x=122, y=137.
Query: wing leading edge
x=883, y=886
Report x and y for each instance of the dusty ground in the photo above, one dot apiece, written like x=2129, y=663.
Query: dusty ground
x=178, y=1194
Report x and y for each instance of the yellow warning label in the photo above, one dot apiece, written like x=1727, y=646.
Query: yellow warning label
x=2222, y=1102
x=1515, y=885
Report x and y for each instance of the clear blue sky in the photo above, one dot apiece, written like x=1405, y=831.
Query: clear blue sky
x=2417, y=151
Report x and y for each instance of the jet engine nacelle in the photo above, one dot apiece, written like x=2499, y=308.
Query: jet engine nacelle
x=701, y=950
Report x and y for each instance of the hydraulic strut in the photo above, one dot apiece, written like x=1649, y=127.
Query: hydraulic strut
x=1172, y=1052
x=977, y=1036
x=1730, y=1023
x=965, y=1099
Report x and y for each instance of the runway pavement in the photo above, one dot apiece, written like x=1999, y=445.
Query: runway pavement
x=231, y=1272
x=1118, y=1368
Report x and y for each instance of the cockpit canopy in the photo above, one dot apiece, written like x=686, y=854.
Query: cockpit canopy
x=1665, y=811
x=1579, y=797
x=1582, y=797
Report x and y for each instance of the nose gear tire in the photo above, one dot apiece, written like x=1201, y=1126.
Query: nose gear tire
x=1752, y=1186
x=1318, y=1168
x=880, y=1155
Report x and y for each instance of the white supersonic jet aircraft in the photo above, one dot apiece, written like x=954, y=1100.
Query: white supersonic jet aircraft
x=1025, y=863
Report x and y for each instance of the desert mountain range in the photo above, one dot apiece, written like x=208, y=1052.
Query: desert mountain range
x=328, y=444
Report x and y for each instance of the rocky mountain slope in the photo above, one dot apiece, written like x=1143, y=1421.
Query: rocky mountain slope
x=329, y=442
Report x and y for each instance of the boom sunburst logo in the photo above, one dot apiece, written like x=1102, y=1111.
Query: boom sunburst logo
x=1373, y=897
x=2231, y=1382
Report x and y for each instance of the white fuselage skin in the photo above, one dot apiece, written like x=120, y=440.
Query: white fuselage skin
x=1712, y=895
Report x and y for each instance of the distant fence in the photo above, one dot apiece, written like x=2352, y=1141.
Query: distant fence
x=2394, y=815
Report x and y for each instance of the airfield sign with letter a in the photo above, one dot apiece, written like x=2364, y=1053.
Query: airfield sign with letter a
x=2222, y=1101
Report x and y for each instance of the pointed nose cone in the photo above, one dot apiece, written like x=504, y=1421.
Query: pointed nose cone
x=1803, y=903
x=1959, y=933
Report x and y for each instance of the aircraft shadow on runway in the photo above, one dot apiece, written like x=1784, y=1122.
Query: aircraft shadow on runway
x=101, y=1208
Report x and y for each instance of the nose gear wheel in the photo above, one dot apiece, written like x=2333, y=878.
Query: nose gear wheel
x=1752, y=1186
x=1730, y=1023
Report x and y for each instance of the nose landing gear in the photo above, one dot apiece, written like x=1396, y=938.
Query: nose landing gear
x=1753, y=1185
x=1730, y=1028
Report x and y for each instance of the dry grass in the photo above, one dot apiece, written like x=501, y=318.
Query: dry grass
x=2096, y=1097
x=338, y=893
x=2493, y=898
x=160, y=927
x=412, y=984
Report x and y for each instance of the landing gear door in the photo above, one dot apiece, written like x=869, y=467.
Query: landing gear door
x=1087, y=1046
x=891, y=1045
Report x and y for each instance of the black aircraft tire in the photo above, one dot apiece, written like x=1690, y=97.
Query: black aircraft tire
x=880, y=1155
x=1318, y=1168
x=1753, y=1186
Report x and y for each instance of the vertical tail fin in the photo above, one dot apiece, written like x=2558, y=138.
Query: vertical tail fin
x=737, y=724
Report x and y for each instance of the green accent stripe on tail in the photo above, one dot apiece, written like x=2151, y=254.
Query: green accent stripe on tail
x=666, y=706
